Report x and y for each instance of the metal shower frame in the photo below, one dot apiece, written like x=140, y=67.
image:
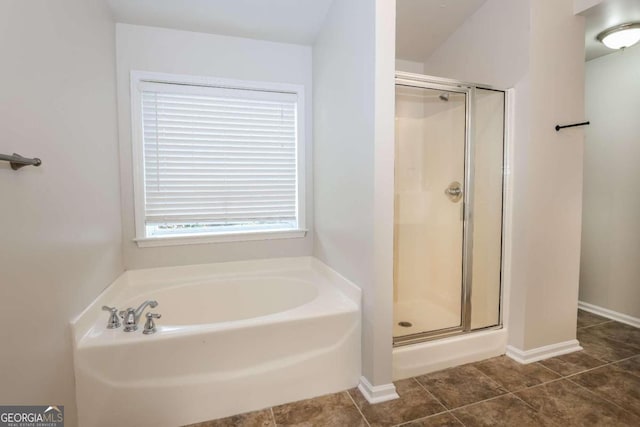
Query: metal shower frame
x=469, y=89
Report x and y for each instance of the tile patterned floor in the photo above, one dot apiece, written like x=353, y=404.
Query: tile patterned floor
x=599, y=386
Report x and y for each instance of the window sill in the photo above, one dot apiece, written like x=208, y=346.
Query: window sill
x=150, y=242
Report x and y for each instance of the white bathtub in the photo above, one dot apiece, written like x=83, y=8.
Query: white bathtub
x=233, y=337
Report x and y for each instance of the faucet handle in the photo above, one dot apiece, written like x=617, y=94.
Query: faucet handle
x=113, y=322
x=150, y=325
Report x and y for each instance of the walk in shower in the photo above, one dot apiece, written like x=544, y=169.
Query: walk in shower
x=449, y=185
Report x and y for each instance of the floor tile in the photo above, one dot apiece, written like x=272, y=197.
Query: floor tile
x=513, y=375
x=589, y=319
x=569, y=404
x=610, y=341
x=440, y=420
x=505, y=411
x=572, y=363
x=631, y=365
x=330, y=410
x=250, y=419
x=621, y=332
x=414, y=402
x=461, y=385
x=614, y=384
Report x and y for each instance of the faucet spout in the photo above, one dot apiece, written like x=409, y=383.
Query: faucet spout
x=140, y=309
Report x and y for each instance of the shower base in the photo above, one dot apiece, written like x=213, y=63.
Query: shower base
x=421, y=358
x=424, y=316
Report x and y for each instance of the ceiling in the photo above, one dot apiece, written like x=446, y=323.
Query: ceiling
x=604, y=15
x=423, y=25
x=288, y=21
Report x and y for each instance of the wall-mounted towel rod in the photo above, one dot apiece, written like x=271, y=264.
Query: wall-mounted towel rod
x=17, y=161
x=558, y=127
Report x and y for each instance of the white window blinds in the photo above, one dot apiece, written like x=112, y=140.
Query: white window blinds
x=218, y=160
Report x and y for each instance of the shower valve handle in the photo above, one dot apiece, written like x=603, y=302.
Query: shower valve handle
x=454, y=191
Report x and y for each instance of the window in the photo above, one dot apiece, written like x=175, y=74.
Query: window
x=216, y=160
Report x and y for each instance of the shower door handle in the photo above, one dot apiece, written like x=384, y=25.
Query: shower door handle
x=454, y=191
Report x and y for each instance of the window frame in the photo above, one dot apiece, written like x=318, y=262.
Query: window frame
x=142, y=240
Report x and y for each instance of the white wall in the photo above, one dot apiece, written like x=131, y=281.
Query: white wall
x=582, y=5
x=609, y=268
x=542, y=59
x=409, y=66
x=548, y=193
x=353, y=163
x=60, y=234
x=182, y=52
x=381, y=311
x=491, y=47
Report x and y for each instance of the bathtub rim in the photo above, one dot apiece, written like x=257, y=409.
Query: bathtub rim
x=81, y=325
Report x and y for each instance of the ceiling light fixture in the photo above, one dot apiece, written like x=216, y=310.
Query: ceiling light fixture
x=621, y=36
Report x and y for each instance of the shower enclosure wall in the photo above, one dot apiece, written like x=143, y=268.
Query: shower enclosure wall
x=448, y=207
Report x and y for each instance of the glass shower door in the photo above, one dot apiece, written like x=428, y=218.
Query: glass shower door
x=431, y=134
x=488, y=158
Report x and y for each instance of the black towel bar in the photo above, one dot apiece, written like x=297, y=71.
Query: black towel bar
x=558, y=127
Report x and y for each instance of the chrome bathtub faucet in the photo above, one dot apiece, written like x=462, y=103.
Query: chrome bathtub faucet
x=131, y=317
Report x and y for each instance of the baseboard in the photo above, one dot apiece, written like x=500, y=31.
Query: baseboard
x=377, y=393
x=541, y=353
x=609, y=314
